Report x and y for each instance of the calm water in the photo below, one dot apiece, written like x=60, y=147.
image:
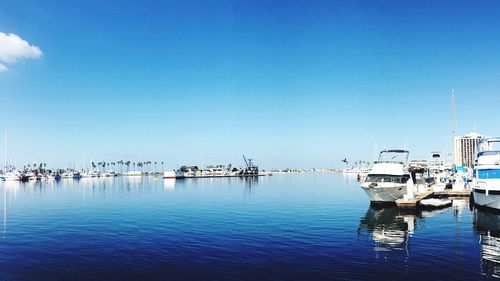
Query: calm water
x=284, y=227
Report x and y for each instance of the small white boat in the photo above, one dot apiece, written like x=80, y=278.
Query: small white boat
x=13, y=176
x=132, y=173
x=31, y=176
x=435, y=203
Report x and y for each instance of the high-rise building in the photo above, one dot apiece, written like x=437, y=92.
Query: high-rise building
x=465, y=149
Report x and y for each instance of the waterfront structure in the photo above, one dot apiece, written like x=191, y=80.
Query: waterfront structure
x=486, y=181
x=465, y=149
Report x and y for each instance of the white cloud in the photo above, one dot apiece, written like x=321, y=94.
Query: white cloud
x=13, y=48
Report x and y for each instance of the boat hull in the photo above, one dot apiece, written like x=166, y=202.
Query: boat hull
x=385, y=194
x=489, y=200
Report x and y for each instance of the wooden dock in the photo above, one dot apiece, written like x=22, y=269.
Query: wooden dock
x=412, y=203
x=451, y=193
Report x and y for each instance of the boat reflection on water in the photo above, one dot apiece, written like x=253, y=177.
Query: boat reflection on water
x=169, y=184
x=389, y=227
x=487, y=227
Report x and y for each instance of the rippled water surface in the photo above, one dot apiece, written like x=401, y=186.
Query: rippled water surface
x=283, y=227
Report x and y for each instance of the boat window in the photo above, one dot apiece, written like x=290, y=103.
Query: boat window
x=488, y=174
x=387, y=178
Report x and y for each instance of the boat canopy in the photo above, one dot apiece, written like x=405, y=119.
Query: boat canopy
x=396, y=151
x=488, y=144
x=490, y=152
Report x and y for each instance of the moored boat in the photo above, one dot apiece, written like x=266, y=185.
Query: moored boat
x=13, y=176
x=486, y=177
x=387, y=180
x=175, y=174
x=435, y=203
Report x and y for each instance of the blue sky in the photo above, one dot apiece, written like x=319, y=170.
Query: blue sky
x=290, y=83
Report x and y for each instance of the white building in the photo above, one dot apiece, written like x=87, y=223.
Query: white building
x=465, y=149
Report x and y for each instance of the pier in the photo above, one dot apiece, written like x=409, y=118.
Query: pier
x=414, y=202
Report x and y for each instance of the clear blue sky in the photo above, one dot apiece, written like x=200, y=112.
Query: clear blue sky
x=290, y=83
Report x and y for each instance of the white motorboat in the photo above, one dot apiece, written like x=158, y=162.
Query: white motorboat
x=108, y=174
x=132, y=173
x=486, y=177
x=31, y=176
x=173, y=174
x=387, y=180
x=13, y=176
x=435, y=203
x=71, y=175
x=169, y=175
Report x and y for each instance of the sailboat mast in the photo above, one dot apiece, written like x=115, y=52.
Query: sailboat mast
x=5, y=153
x=453, y=124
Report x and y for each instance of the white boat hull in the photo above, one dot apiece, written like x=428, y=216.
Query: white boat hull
x=385, y=194
x=487, y=200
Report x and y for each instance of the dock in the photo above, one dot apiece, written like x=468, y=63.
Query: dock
x=414, y=202
x=452, y=193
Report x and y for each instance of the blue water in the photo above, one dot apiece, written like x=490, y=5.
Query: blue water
x=283, y=227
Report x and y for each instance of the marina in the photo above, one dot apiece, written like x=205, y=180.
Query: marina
x=249, y=140
x=174, y=221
